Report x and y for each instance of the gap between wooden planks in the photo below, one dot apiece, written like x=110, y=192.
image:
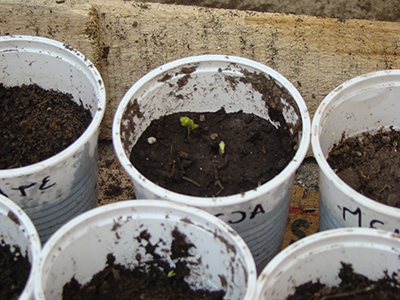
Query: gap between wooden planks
x=303, y=215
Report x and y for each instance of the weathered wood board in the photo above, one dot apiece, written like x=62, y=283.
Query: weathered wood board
x=126, y=40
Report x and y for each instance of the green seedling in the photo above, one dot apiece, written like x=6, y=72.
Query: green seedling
x=171, y=274
x=187, y=122
x=221, y=148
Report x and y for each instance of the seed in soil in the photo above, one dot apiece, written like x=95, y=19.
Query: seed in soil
x=36, y=124
x=225, y=154
x=14, y=271
x=152, y=279
x=370, y=164
x=353, y=286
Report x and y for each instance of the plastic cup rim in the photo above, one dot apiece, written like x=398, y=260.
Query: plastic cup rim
x=33, y=242
x=319, y=242
x=126, y=206
x=96, y=118
x=321, y=160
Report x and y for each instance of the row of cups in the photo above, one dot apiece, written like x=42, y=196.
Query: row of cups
x=221, y=260
x=58, y=190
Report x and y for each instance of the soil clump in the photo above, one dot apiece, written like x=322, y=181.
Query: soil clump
x=151, y=280
x=14, y=272
x=36, y=124
x=370, y=164
x=190, y=161
x=353, y=286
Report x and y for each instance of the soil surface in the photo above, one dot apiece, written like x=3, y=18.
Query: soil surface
x=36, y=124
x=151, y=280
x=14, y=272
x=353, y=286
x=370, y=164
x=191, y=163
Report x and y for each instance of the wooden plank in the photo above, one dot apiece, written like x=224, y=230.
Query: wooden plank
x=70, y=26
x=314, y=54
x=127, y=39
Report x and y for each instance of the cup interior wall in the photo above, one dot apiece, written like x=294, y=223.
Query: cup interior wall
x=211, y=86
x=42, y=64
x=14, y=235
x=365, y=106
x=320, y=260
x=118, y=234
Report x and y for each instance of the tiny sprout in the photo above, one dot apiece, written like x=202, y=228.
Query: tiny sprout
x=171, y=274
x=221, y=148
x=187, y=122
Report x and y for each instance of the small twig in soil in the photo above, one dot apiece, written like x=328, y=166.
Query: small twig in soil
x=255, y=136
x=178, y=159
x=224, y=163
x=348, y=294
x=363, y=175
x=171, y=152
x=173, y=171
x=43, y=102
x=115, y=274
x=218, y=182
x=384, y=188
x=191, y=181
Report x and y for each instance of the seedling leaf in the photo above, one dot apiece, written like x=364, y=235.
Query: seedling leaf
x=187, y=122
x=221, y=148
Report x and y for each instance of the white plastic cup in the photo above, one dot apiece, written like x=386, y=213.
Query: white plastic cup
x=56, y=189
x=319, y=257
x=220, y=259
x=364, y=103
x=258, y=215
x=17, y=230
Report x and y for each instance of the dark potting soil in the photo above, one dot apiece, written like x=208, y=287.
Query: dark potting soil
x=353, y=286
x=14, y=272
x=150, y=280
x=36, y=124
x=370, y=164
x=190, y=162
